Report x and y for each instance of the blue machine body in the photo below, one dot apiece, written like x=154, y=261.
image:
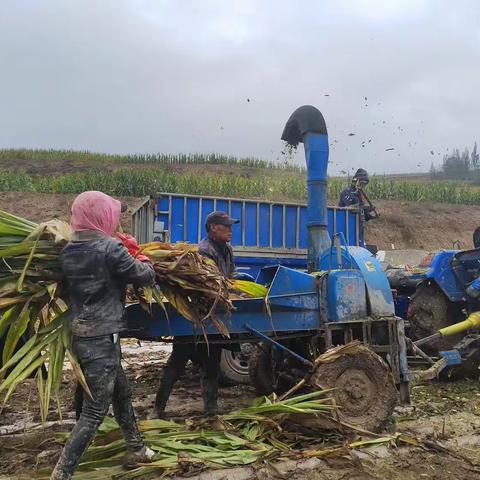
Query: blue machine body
x=453, y=357
x=297, y=301
x=379, y=293
x=346, y=295
x=293, y=300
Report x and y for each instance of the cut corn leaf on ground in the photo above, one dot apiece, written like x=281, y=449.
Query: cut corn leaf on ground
x=251, y=434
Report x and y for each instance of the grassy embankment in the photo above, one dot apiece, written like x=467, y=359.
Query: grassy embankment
x=138, y=175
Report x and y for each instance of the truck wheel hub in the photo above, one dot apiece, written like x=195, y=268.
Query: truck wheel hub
x=355, y=386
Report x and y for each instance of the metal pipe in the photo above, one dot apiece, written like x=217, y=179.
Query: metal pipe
x=307, y=125
x=419, y=351
x=470, y=323
x=316, y=156
x=306, y=362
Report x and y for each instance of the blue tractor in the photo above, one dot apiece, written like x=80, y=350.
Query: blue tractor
x=438, y=294
x=343, y=296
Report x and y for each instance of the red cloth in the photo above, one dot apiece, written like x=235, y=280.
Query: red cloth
x=95, y=211
x=132, y=246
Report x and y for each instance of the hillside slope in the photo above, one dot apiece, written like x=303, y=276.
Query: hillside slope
x=419, y=225
x=422, y=225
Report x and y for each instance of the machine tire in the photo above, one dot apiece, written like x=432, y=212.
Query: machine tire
x=260, y=369
x=364, y=388
x=234, y=368
x=429, y=311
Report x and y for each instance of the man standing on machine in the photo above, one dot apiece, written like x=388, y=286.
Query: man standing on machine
x=355, y=195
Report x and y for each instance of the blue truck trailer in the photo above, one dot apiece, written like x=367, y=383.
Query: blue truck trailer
x=342, y=294
x=268, y=233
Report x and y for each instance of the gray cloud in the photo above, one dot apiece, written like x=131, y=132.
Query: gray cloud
x=143, y=76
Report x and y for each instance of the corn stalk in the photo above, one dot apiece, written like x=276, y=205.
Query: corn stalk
x=33, y=311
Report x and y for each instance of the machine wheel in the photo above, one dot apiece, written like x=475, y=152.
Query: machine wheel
x=429, y=311
x=234, y=365
x=260, y=369
x=364, y=388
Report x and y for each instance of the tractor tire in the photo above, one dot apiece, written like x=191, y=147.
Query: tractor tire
x=429, y=311
x=364, y=389
x=260, y=369
x=234, y=366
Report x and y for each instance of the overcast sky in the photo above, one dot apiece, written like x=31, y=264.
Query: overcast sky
x=143, y=76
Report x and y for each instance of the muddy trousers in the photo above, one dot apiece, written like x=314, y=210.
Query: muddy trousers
x=100, y=359
x=209, y=362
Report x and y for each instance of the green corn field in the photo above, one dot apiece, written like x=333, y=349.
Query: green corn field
x=155, y=159
x=141, y=175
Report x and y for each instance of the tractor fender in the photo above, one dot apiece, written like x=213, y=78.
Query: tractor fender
x=441, y=273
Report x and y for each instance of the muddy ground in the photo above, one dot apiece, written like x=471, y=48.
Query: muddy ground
x=445, y=414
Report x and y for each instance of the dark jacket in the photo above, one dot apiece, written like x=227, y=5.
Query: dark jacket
x=220, y=253
x=97, y=270
x=350, y=196
x=353, y=196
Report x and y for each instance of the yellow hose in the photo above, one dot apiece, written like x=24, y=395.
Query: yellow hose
x=472, y=322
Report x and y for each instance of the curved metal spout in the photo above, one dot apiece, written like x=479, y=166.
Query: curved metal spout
x=307, y=125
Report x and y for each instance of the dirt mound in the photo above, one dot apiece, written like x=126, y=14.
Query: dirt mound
x=41, y=207
x=422, y=225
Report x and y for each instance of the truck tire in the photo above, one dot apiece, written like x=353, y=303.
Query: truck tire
x=260, y=369
x=364, y=389
x=234, y=366
x=429, y=311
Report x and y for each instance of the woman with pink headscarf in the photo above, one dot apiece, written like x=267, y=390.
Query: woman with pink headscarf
x=97, y=269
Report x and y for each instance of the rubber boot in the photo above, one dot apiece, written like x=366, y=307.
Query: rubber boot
x=173, y=371
x=210, y=396
x=169, y=378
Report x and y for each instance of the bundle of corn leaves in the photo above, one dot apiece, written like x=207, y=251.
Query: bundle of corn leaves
x=193, y=284
x=32, y=307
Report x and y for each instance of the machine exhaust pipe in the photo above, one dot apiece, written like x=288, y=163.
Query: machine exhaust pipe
x=306, y=125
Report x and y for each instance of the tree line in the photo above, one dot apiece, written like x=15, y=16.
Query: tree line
x=458, y=165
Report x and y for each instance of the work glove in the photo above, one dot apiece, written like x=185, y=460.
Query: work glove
x=132, y=246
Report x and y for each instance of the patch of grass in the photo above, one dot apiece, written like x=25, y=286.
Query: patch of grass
x=152, y=159
x=150, y=181
x=16, y=182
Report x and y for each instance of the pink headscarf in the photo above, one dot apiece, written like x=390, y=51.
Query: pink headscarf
x=95, y=211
